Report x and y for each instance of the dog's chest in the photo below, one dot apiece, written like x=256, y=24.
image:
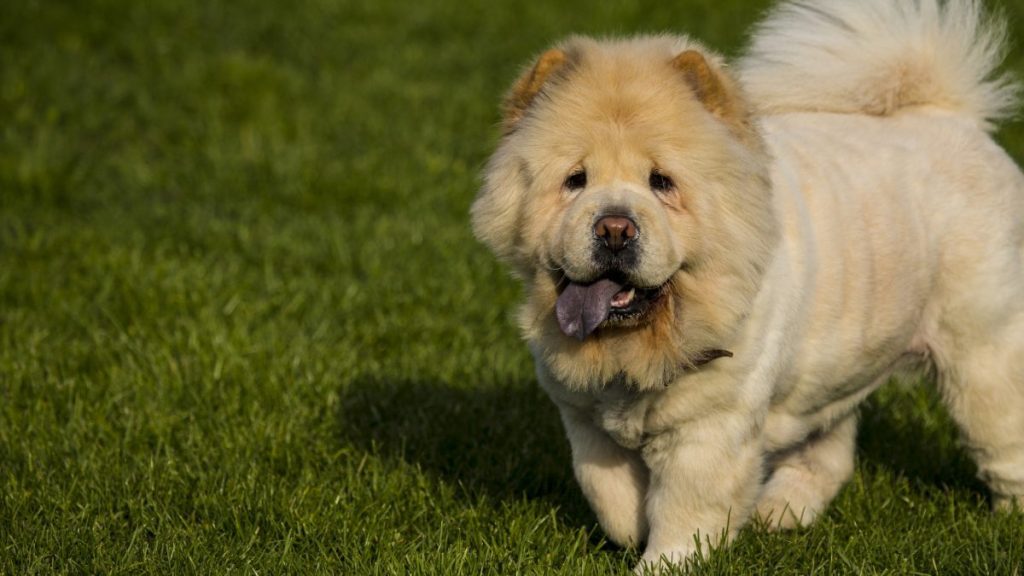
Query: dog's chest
x=621, y=412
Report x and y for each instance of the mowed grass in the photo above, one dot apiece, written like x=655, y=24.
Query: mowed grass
x=245, y=329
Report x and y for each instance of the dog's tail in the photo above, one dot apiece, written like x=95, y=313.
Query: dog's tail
x=878, y=56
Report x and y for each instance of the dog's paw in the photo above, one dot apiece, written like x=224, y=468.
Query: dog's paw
x=1007, y=503
x=787, y=502
x=658, y=562
x=780, y=515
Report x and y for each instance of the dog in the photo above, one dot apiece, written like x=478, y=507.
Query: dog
x=721, y=262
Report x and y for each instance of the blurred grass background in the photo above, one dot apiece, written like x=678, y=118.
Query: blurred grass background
x=244, y=327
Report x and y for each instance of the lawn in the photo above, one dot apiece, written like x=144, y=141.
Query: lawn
x=245, y=329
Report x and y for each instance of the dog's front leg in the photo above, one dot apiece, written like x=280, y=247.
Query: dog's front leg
x=613, y=478
x=703, y=485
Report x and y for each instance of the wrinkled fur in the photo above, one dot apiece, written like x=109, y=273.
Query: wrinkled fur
x=840, y=212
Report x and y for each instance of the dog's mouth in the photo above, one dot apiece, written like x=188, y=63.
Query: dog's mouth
x=583, y=307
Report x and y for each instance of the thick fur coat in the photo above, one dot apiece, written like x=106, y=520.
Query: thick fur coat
x=721, y=262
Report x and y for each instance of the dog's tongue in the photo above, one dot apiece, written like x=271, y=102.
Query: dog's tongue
x=582, y=307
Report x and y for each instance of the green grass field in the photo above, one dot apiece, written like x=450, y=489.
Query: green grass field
x=245, y=329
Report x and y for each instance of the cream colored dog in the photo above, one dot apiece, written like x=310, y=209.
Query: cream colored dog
x=721, y=264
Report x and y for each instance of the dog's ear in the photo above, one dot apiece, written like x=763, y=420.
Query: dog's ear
x=529, y=85
x=713, y=88
x=497, y=211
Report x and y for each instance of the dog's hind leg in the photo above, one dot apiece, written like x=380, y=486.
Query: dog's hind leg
x=982, y=383
x=804, y=480
x=976, y=337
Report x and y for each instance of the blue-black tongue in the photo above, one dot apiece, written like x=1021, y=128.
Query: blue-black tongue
x=581, y=308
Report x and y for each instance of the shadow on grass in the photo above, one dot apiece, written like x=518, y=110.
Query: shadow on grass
x=506, y=441
x=503, y=441
x=905, y=429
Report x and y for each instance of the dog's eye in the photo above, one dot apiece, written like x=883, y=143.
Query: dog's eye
x=576, y=181
x=660, y=183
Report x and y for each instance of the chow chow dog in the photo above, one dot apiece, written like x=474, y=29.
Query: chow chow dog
x=722, y=261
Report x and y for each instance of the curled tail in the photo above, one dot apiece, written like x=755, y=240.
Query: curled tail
x=877, y=56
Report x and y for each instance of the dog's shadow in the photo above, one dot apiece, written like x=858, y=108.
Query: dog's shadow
x=501, y=441
x=505, y=441
x=905, y=430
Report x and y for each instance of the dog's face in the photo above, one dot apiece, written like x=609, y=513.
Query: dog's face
x=629, y=194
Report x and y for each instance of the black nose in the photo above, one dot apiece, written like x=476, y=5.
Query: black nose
x=615, y=231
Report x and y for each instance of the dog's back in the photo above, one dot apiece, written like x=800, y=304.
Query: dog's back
x=908, y=214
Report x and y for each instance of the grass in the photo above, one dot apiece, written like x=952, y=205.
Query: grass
x=244, y=327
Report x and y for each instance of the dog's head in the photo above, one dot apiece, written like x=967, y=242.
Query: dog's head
x=629, y=192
